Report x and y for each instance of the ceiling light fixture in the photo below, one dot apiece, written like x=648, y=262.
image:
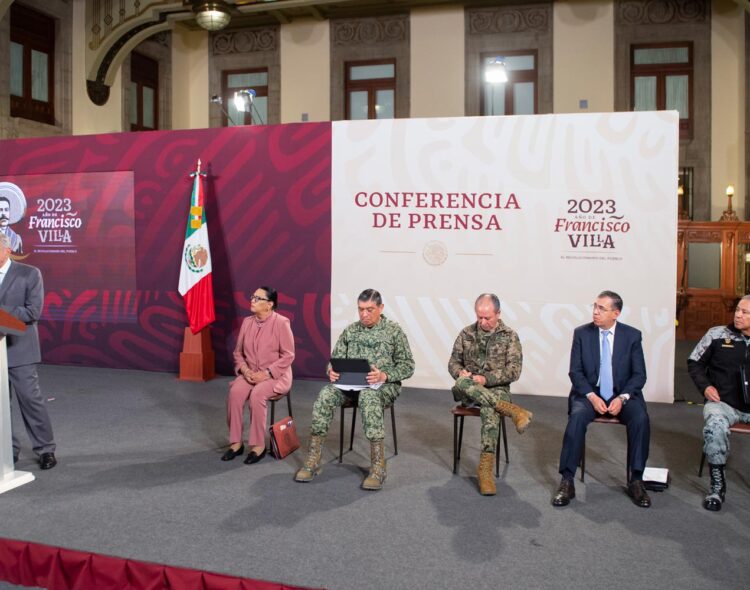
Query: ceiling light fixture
x=212, y=16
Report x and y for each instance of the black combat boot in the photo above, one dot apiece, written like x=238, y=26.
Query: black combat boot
x=718, y=489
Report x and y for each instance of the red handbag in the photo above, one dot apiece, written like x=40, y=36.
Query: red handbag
x=284, y=440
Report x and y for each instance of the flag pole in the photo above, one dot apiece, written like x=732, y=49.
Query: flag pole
x=197, y=359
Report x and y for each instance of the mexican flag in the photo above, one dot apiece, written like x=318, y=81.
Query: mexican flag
x=195, y=285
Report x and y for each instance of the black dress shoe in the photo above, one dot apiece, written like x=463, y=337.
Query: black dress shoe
x=230, y=454
x=253, y=457
x=565, y=493
x=637, y=491
x=47, y=460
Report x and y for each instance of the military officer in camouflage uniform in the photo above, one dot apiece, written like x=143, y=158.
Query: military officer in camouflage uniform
x=715, y=367
x=486, y=359
x=383, y=343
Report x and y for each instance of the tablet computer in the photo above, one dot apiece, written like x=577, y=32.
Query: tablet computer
x=351, y=371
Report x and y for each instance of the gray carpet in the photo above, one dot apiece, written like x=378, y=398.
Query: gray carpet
x=140, y=477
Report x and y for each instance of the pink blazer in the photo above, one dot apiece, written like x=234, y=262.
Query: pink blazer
x=270, y=346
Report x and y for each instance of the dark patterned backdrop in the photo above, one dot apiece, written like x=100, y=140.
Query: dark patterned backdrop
x=268, y=210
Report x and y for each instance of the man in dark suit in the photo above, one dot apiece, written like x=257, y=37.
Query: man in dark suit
x=608, y=372
x=22, y=295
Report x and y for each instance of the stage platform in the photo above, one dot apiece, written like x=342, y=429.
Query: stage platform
x=139, y=477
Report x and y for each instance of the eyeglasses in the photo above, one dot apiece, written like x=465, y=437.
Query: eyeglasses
x=256, y=298
x=599, y=308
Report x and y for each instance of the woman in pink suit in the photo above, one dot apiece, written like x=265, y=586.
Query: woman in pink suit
x=263, y=362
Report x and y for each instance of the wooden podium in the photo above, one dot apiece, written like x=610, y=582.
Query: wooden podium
x=197, y=359
x=10, y=477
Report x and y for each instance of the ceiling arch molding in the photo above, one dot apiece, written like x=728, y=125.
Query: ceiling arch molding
x=105, y=55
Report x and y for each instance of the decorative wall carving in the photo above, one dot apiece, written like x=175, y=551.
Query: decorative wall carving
x=248, y=41
x=703, y=235
x=509, y=19
x=369, y=31
x=162, y=38
x=659, y=12
x=108, y=16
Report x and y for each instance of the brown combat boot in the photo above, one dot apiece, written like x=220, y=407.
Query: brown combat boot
x=312, y=466
x=521, y=418
x=376, y=477
x=484, y=474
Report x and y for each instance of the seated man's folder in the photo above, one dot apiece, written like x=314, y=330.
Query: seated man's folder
x=351, y=371
x=656, y=479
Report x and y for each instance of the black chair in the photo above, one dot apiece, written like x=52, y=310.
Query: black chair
x=739, y=428
x=353, y=403
x=277, y=398
x=605, y=420
x=459, y=413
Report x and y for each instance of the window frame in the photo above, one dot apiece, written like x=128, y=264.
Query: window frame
x=144, y=72
x=661, y=72
x=370, y=85
x=514, y=77
x=33, y=30
x=226, y=96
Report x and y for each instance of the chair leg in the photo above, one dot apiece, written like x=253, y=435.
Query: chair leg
x=393, y=426
x=627, y=467
x=341, y=434
x=583, y=461
x=703, y=462
x=273, y=412
x=455, y=442
x=460, y=437
x=505, y=438
x=289, y=403
x=354, y=422
x=497, y=455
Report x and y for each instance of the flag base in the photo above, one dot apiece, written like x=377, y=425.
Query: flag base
x=197, y=359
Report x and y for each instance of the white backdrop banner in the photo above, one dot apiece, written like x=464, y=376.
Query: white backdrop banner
x=546, y=211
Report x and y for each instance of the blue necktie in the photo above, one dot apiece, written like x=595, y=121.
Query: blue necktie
x=605, y=369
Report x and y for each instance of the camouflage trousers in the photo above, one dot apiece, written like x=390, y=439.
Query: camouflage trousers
x=467, y=392
x=372, y=403
x=717, y=418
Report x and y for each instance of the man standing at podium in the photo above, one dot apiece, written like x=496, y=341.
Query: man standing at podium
x=22, y=296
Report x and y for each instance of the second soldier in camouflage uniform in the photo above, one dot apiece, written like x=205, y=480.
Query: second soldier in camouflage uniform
x=486, y=359
x=383, y=343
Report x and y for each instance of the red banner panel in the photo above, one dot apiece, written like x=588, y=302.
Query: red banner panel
x=77, y=228
x=111, y=285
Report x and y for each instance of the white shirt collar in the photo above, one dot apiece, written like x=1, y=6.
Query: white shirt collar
x=611, y=329
x=4, y=268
